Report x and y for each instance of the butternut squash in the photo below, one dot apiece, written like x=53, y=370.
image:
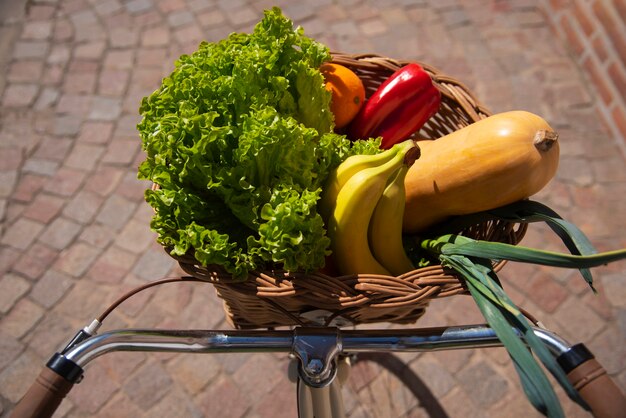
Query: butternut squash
x=493, y=162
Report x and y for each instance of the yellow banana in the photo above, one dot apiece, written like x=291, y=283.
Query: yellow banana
x=385, y=229
x=340, y=176
x=349, y=223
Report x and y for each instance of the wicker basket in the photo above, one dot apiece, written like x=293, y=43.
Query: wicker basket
x=278, y=298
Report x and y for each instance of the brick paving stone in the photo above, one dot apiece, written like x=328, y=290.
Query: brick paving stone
x=224, y=399
x=10, y=349
x=113, y=82
x=133, y=306
x=121, y=37
x=22, y=233
x=211, y=18
x=458, y=404
x=84, y=301
x=52, y=286
x=388, y=395
x=152, y=57
x=43, y=208
x=120, y=406
x=60, y=233
x=148, y=385
x=437, y=377
x=97, y=235
x=138, y=6
x=154, y=37
x=19, y=375
x=169, y=6
x=115, y=212
x=80, y=83
x=243, y=18
x=105, y=108
x=119, y=59
x=146, y=78
x=76, y=259
x=50, y=334
x=205, y=310
x=136, y=237
x=67, y=125
x=482, y=383
x=94, y=391
x=150, y=18
x=95, y=132
x=35, y=261
x=65, y=182
x=153, y=264
x=12, y=288
x=63, y=30
x=55, y=149
x=361, y=374
x=599, y=303
x=30, y=49
x=132, y=188
x=19, y=95
x=373, y=27
x=90, y=50
x=577, y=321
x=112, y=266
x=194, y=373
x=84, y=156
x=189, y=36
x=83, y=17
x=121, y=151
x=546, y=293
x=108, y=7
x=614, y=290
x=259, y=374
x=53, y=75
x=83, y=207
x=176, y=403
x=40, y=166
x=7, y=182
x=198, y=5
x=179, y=18
x=41, y=11
x=104, y=180
x=24, y=315
x=609, y=349
x=28, y=71
x=38, y=30
x=279, y=403
x=119, y=365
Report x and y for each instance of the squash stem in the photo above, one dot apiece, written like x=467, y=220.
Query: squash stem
x=545, y=139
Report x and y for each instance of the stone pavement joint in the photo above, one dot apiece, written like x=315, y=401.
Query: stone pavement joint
x=74, y=227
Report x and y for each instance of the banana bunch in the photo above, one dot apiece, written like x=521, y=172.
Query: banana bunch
x=363, y=205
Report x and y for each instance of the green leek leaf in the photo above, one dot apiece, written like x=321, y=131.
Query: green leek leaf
x=536, y=385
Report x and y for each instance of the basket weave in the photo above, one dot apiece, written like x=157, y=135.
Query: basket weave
x=278, y=298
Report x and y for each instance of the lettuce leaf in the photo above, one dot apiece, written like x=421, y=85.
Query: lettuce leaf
x=239, y=137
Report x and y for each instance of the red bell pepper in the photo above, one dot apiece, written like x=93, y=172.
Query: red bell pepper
x=399, y=107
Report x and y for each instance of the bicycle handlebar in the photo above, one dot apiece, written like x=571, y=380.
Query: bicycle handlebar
x=316, y=349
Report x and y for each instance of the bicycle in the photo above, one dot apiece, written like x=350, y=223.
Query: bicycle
x=322, y=358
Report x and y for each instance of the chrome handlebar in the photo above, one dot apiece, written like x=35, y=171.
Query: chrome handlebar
x=316, y=348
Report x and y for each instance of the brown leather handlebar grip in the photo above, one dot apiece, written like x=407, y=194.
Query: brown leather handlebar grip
x=44, y=396
x=605, y=399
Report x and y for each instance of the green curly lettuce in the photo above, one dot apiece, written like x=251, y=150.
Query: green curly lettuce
x=240, y=140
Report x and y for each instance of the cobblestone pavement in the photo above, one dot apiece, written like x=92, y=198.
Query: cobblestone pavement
x=75, y=231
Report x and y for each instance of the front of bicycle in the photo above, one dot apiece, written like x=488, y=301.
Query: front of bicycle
x=323, y=357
